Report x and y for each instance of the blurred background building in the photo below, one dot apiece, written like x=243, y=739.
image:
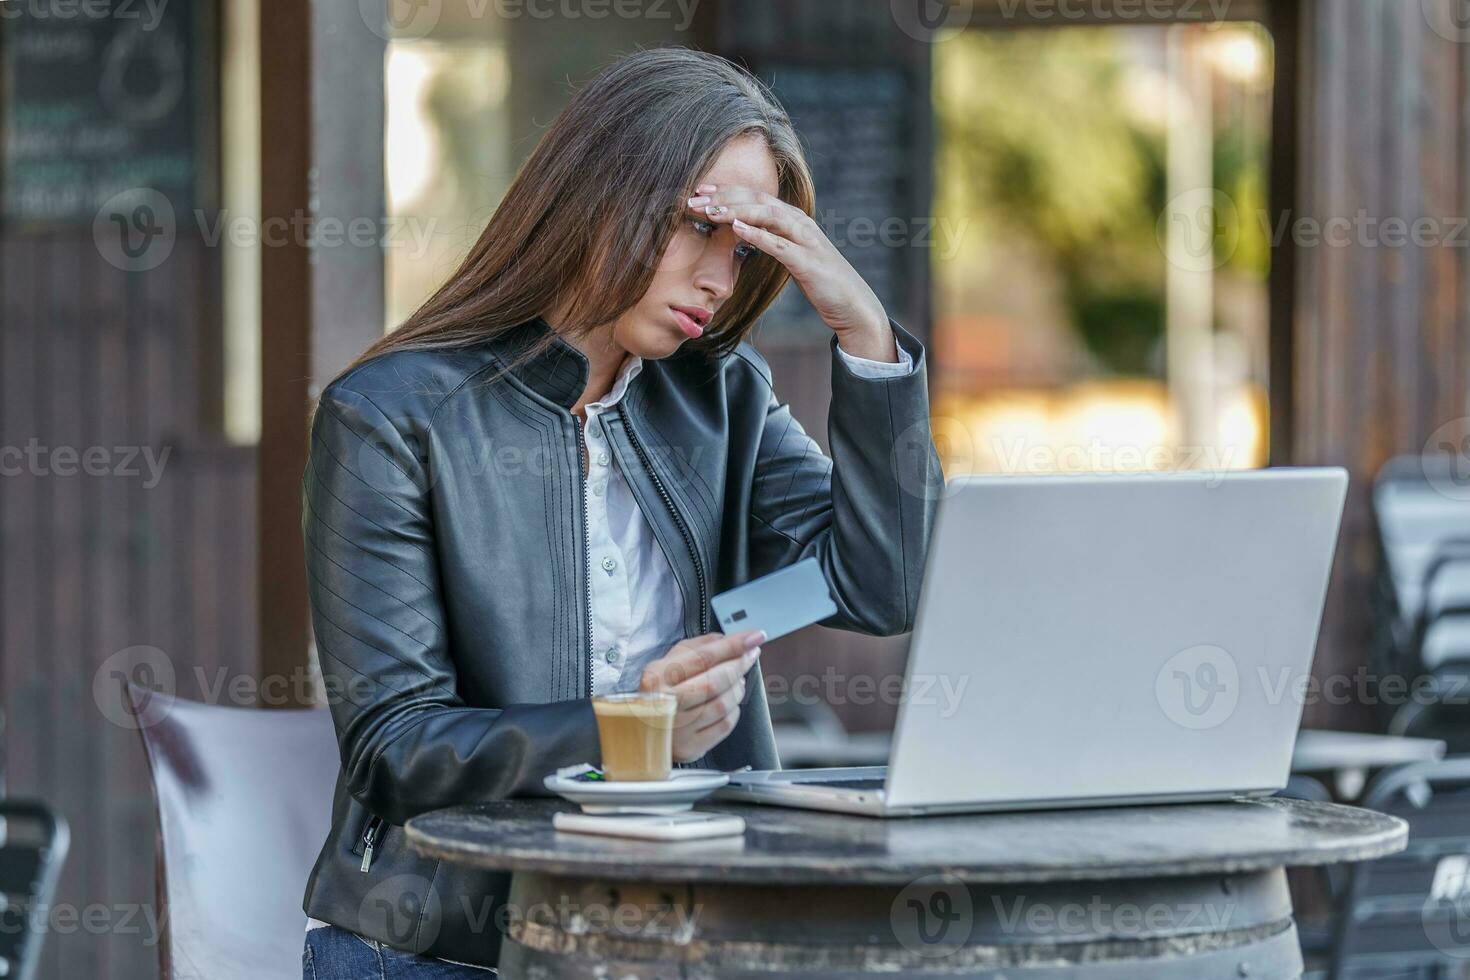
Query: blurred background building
x=1188, y=233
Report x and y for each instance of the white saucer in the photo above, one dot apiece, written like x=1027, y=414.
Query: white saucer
x=673, y=795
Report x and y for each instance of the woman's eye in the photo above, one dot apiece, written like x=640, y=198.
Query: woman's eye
x=706, y=228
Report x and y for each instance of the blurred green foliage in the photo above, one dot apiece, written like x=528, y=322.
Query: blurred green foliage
x=1057, y=134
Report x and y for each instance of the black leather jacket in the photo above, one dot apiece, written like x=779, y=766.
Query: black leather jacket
x=447, y=568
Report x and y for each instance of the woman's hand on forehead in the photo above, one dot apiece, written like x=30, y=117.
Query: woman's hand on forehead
x=792, y=237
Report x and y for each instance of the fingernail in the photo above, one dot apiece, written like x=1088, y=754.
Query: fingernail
x=695, y=202
x=706, y=188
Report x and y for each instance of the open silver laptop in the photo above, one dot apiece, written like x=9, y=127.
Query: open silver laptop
x=1090, y=640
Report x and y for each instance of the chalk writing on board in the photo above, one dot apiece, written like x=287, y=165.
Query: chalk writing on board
x=98, y=106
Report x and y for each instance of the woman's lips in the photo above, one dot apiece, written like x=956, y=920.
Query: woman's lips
x=687, y=324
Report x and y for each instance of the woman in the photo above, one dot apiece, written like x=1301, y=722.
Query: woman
x=527, y=493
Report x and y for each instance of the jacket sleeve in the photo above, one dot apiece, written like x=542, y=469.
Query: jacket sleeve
x=866, y=511
x=408, y=741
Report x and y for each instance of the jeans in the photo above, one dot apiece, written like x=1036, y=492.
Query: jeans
x=336, y=954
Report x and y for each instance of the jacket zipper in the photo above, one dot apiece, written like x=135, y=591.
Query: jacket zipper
x=683, y=529
x=678, y=519
x=369, y=839
x=586, y=548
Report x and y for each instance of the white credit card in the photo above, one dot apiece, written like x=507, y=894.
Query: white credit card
x=779, y=603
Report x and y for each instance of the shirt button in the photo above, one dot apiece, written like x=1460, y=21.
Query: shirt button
x=597, y=490
x=602, y=458
x=609, y=563
x=612, y=655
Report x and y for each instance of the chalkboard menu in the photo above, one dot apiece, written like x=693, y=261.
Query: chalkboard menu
x=853, y=123
x=101, y=98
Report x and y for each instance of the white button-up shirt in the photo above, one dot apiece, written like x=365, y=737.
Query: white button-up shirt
x=637, y=611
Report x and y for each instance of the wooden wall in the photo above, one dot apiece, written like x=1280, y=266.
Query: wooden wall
x=90, y=565
x=1380, y=344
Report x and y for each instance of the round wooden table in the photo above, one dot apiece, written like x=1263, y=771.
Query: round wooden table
x=1143, y=893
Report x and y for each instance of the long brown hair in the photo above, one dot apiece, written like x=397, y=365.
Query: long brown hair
x=589, y=215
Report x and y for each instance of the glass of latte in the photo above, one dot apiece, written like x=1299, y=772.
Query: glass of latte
x=637, y=734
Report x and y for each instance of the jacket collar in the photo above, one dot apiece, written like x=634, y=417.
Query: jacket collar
x=558, y=373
